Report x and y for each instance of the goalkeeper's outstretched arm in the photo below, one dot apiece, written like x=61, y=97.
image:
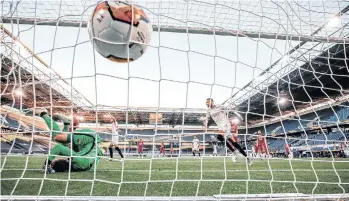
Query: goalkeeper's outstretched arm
x=58, y=135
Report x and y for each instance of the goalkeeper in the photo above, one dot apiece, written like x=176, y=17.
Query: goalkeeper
x=84, y=152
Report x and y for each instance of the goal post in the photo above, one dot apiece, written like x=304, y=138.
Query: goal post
x=279, y=69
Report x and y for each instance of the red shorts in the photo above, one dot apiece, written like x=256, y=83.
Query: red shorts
x=162, y=150
x=140, y=149
x=261, y=148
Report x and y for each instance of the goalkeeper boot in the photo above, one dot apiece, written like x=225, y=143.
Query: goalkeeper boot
x=48, y=169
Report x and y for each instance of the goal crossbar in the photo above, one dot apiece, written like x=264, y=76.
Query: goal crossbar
x=190, y=30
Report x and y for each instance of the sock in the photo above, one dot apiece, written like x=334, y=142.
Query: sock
x=48, y=162
x=193, y=154
x=221, y=138
x=229, y=146
x=111, y=152
x=119, y=151
x=236, y=145
x=199, y=154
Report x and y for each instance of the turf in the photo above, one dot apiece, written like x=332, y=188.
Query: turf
x=195, y=177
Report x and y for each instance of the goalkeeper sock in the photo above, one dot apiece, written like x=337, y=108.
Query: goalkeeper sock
x=48, y=162
x=111, y=152
x=199, y=154
x=193, y=154
x=119, y=151
x=236, y=145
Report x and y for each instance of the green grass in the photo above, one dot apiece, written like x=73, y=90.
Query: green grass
x=204, y=177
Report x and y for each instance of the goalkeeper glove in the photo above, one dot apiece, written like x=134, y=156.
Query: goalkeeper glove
x=63, y=118
x=39, y=111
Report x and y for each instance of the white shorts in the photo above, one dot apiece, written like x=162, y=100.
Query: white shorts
x=115, y=140
x=227, y=134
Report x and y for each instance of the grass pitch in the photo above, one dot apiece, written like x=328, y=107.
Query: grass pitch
x=177, y=177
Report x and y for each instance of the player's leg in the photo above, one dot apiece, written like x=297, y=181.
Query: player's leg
x=119, y=151
x=58, y=149
x=193, y=151
x=237, y=146
x=111, y=150
x=241, y=150
x=198, y=150
x=221, y=138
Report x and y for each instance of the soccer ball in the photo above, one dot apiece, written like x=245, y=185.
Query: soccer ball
x=119, y=31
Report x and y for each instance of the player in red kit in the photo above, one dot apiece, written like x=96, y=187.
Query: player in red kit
x=162, y=149
x=262, y=144
x=140, y=147
x=288, y=150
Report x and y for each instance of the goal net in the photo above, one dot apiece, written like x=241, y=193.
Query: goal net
x=277, y=70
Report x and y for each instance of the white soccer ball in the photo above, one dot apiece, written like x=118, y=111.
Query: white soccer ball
x=119, y=30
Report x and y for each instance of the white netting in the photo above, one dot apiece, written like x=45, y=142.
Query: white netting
x=282, y=65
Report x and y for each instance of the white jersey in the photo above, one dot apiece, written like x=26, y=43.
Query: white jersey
x=115, y=133
x=220, y=117
x=196, y=143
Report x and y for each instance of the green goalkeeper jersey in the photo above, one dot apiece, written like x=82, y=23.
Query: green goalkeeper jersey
x=84, y=141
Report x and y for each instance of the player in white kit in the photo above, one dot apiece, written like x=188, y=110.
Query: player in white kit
x=215, y=149
x=217, y=113
x=195, y=146
x=115, y=140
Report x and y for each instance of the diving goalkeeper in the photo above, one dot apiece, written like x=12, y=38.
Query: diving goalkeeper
x=84, y=151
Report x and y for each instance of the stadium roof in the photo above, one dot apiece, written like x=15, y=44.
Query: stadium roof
x=326, y=76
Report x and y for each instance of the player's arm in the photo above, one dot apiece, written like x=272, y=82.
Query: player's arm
x=238, y=115
x=51, y=124
x=62, y=137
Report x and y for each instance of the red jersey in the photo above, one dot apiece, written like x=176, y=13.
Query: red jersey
x=140, y=146
x=162, y=148
x=255, y=147
x=287, y=148
x=261, y=140
x=261, y=144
